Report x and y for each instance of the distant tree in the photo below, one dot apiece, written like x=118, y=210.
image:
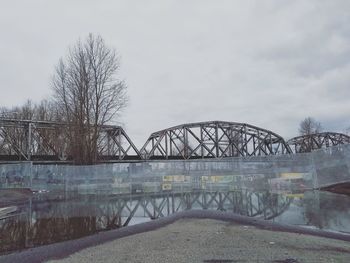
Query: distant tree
x=309, y=126
x=88, y=94
x=347, y=131
x=43, y=111
x=46, y=111
x=7, y=113
x=26, y=111
x=23, y=112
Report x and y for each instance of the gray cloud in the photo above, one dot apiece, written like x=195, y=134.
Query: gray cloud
x=268, y=63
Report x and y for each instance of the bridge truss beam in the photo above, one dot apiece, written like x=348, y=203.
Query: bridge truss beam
x=310, y=142
x=42, y=140
x=215, y=139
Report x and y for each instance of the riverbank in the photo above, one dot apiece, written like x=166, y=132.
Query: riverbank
x=342, y=188
x=207, y=240
x=197, y=236
x=9, y=196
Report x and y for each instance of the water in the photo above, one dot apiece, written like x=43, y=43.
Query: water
x=48, y=218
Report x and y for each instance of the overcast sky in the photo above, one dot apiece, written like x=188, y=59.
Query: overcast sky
x=269, y=63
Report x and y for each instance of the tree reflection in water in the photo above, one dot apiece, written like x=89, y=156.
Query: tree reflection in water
x=326, y=210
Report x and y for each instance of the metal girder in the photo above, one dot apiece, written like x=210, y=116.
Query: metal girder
x=310, y=142
x=216, y=139
x=115, y=144
x=44, y=140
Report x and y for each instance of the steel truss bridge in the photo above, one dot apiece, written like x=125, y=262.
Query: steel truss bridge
x=215, y=139
x=27, y=140
x=308, y=143
x=42, y=140
x=46, y=221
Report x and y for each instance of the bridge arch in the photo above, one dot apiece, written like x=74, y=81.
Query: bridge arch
x=213, y=139
x=310, y=142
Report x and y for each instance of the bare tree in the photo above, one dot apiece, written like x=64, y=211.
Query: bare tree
x=45, y=111
x=347, y=131
x=88, y=94
x=309, y=126
x=42, y=111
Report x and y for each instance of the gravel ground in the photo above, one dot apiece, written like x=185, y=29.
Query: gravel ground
x=208, y=240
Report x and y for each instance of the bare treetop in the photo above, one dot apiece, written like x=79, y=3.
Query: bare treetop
x=88, y=93
x=86, y=82
x=309, y=126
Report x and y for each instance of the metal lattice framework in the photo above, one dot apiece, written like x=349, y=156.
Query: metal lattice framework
x=310, y=142
x=43, y=140
x=215, y=139
x=47, y=141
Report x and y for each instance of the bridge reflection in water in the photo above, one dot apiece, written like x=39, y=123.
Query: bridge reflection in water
x=47, y=219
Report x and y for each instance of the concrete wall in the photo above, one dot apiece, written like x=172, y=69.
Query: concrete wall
x=278, y=173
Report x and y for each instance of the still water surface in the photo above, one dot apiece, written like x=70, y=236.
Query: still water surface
x=53, y=217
